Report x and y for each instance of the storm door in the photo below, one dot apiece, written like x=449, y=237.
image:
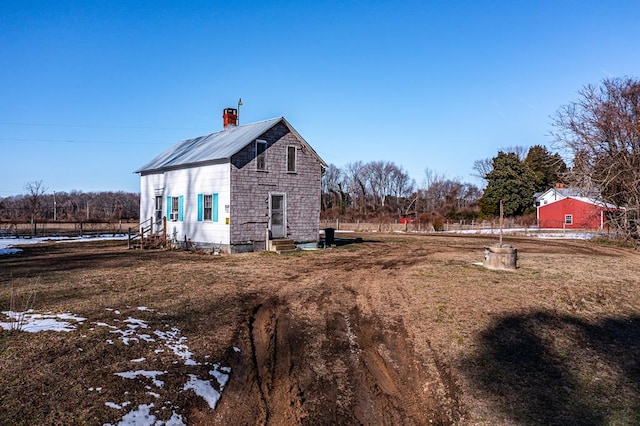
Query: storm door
x=277, y=219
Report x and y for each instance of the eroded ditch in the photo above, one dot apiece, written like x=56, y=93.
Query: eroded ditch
x=347, y=369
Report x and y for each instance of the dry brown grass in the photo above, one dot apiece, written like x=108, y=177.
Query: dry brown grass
x=404, y=329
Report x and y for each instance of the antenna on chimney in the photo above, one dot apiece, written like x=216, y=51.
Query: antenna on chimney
x=239, y=103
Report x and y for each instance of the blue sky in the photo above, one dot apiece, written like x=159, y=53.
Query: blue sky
x=92, y=90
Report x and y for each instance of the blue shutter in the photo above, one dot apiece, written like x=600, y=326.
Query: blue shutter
x=168, y=208
x=199, y=207
x=181, y=208
x=214, y=216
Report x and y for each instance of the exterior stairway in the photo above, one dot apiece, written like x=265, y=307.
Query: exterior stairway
x=281, y=246
x=146, y=238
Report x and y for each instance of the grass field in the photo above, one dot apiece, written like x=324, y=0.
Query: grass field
x=399, y=329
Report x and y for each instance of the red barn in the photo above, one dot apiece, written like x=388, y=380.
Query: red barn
x=573, y=213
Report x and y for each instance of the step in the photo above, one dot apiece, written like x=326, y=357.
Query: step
x=283, y=246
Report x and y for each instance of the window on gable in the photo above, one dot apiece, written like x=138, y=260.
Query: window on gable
x=291, y=159
x=208, y=206
x=261, y=155
x=568, y=219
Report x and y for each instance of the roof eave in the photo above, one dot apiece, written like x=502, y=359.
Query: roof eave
x=142, y=172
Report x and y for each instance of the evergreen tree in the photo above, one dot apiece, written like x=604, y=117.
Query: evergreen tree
x=509, y=180
x=548, y=169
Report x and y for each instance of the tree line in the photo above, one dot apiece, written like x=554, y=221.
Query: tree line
x=37, y=205
x=382, y=190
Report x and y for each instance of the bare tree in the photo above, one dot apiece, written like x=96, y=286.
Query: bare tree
x=380, y=178
x=35, y=191
x=356, y=180
x=601, y=131
x=519, y=150
x=333, y=193
x=448, y=197
x=482, y=168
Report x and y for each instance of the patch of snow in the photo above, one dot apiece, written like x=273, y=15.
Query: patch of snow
x=203, y=389
x=146, y=337
x=176, y=343
x=6, y=244
x=134, y=323
x=104, y=324
x=175, y=420
x=138, y=359
x=139, y=417
x=144, y=373
x=236, y=349
x=221, y=377
x=34, y=323
x=142, y=416
x=532, y=232
x=144, y=308
x=113, y=405
x=67, y=316
x=4, y=251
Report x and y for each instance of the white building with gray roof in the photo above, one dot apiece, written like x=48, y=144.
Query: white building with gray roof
x=237, y=188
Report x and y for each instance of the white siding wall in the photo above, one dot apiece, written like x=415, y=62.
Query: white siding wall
x=211, y=179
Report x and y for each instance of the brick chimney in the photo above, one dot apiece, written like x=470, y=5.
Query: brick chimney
x=230, y=117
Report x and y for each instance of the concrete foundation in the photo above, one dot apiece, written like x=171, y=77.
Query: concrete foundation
x=502, y=258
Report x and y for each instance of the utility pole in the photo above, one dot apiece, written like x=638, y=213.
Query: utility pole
x=501, y=218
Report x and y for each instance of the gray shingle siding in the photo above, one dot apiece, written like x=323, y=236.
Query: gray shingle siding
x=250, y=189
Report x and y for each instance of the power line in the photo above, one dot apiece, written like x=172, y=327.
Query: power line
x=87, y=126
x=79, y=141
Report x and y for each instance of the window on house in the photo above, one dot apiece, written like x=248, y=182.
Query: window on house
x=291, y=159
x=158, y=207
x=261, y=155
x=208, y=206
x=568, y=219
x=175, y=208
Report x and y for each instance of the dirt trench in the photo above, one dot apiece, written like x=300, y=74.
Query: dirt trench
x=347, y=369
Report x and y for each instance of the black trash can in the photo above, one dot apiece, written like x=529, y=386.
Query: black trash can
x=329, y=237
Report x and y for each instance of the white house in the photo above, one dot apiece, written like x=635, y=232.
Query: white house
x=236, y=188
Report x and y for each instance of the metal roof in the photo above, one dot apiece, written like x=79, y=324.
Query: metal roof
x=567, y=192
x=216, y=146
